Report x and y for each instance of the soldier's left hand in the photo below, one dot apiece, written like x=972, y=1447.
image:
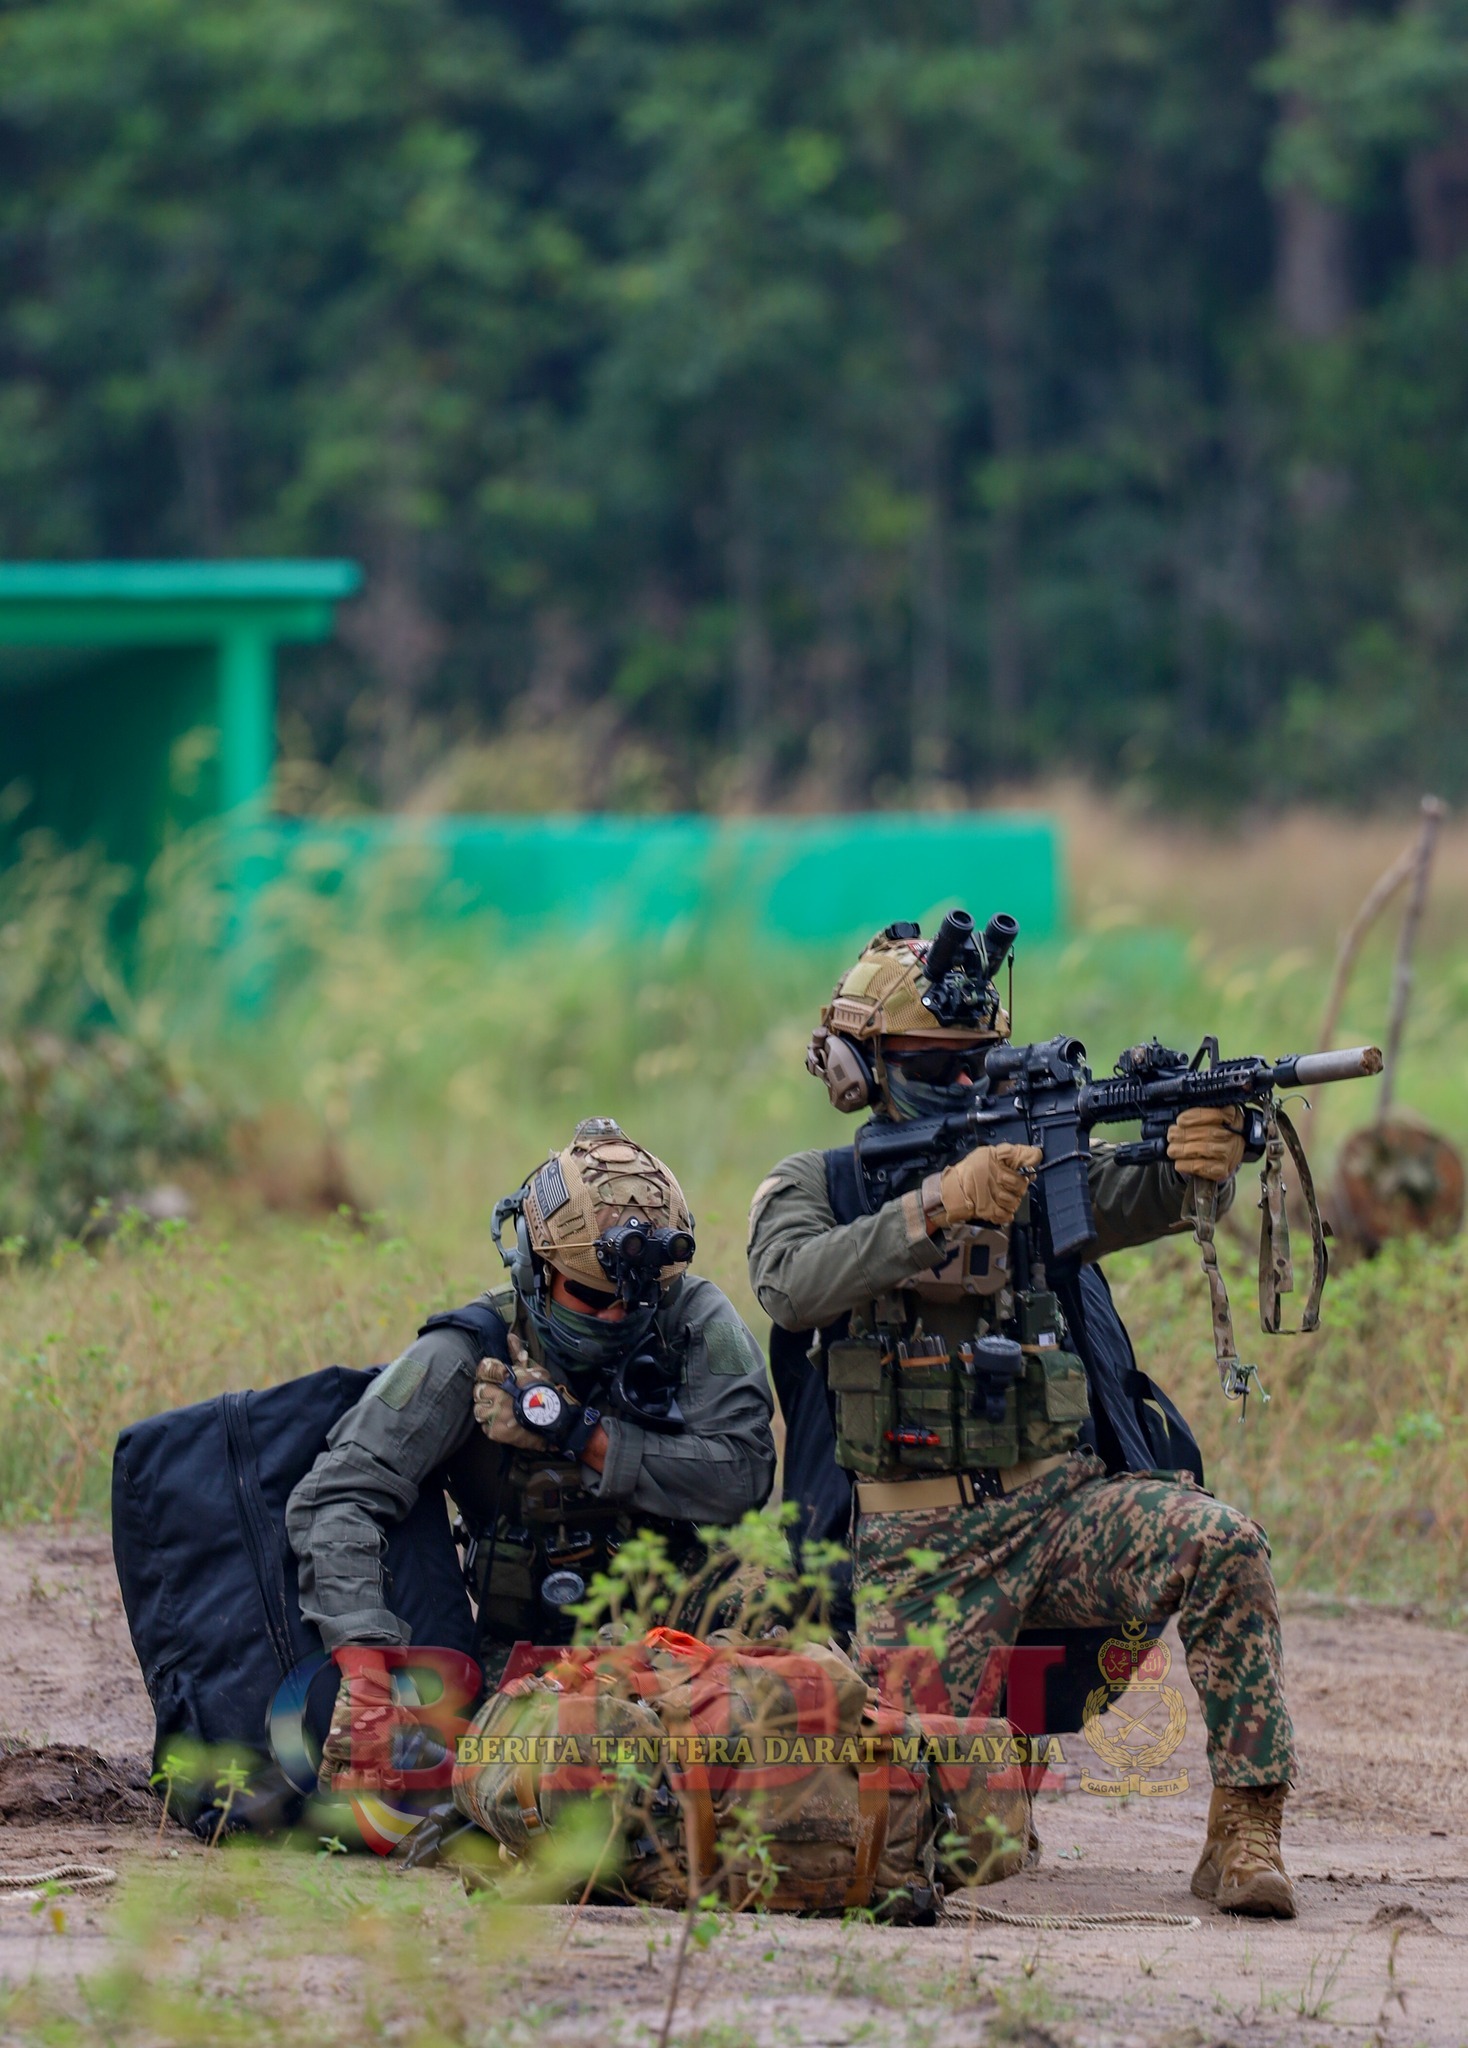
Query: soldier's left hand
x=1207, y=1143
x=357, y=1753
x=494, y=1407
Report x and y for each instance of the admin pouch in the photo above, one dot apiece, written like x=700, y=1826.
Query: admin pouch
x=1053, y=1404
x=860, y=1372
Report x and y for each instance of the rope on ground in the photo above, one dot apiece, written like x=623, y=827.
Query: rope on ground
x=971, y=1909
x=77, y=1877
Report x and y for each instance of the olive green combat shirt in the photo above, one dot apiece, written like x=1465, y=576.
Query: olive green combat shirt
x=420, y=1411
x=806, y=1268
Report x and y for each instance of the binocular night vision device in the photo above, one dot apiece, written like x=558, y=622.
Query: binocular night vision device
x=633, y=1254
x=960, y=966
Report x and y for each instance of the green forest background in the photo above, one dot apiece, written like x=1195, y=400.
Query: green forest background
x=737, y=403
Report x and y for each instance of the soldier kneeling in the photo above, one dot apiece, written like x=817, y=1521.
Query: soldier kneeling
x=604, y=1390
x=1065, y=1507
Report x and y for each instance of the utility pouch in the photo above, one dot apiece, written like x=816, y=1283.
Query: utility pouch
x=506, y=1579
x=859, y=1372
x=981, y=1442
x=923, y=1440
x=1054, y=1402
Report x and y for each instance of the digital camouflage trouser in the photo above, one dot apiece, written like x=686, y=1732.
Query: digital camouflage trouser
x=1074, y=1549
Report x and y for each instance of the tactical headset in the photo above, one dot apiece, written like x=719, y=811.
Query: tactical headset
x=851, y=1080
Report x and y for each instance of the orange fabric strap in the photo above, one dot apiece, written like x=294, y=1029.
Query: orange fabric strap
x=874, y=1807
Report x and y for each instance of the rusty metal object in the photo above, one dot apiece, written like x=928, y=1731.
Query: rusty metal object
x=1397, y=1178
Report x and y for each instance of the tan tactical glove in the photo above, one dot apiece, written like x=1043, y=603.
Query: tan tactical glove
x=988, y=1184
x=494, y=1407
x=360, y=1734
x=1207, y=1143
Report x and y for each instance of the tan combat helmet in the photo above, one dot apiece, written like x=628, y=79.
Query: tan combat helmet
x=600, y=1180
x=939, y=992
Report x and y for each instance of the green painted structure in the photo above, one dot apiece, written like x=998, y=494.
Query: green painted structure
x=136, y=697
x=805, y=880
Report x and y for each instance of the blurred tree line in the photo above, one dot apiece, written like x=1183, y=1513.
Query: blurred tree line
x=817, y=403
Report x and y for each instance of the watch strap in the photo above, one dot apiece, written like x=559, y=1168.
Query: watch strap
x=587, y=1422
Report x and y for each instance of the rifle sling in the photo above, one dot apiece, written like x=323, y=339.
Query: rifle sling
x=1269, y=1309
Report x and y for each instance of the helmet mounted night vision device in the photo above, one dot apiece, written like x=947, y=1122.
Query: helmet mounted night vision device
x=633, y=1254
x=960, y=969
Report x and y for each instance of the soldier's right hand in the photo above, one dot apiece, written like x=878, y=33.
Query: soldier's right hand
x=988, y=1184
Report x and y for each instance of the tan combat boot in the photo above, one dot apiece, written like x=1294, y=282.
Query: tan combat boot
x=1241, y=1868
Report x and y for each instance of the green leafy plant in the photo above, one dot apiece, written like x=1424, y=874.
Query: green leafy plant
x=168, y=1773
x=232, y=1780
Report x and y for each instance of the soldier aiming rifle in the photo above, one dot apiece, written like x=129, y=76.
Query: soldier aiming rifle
x=954, y=1375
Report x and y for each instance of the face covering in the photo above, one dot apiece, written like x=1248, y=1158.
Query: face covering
x=911, y=1099
x=580, y=1343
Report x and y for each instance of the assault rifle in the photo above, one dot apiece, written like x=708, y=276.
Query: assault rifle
x=1044, y=1095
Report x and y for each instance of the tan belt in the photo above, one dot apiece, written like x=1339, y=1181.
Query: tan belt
x=952, y=1490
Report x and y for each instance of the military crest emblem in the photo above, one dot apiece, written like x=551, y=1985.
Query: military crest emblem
x=1135, y=1739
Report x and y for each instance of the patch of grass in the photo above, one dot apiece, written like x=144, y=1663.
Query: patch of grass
x=266, y=1945
x=92, y=1340
x=1358, y=1466
x=875, y=1973
x=1025, y=2009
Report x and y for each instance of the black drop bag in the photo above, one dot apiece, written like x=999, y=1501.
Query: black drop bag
x=208, y=1577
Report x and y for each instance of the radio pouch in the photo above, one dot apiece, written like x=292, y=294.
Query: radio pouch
x=1054, y=1403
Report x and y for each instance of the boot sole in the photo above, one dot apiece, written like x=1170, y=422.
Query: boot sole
x=1267, y=1898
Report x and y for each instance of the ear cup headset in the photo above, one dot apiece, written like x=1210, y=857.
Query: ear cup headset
x=849, y=1076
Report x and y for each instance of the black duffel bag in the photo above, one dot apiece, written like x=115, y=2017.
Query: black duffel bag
x=208, y=1578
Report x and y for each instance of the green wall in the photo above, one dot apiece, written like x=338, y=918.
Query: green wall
x=804, y=880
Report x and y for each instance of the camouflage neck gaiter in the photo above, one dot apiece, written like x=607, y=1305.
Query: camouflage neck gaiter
x=581, y=1344
x=910, y=1100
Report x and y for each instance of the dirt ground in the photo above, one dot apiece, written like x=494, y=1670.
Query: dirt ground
x=1377, y=1838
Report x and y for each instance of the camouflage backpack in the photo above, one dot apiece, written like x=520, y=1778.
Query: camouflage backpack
x=791, y=1790
x=538, y=1748
x=764, y=1774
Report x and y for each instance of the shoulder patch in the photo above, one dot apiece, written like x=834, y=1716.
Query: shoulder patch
x=729, y=1351
x=771, y=1185
x=401, y=1381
